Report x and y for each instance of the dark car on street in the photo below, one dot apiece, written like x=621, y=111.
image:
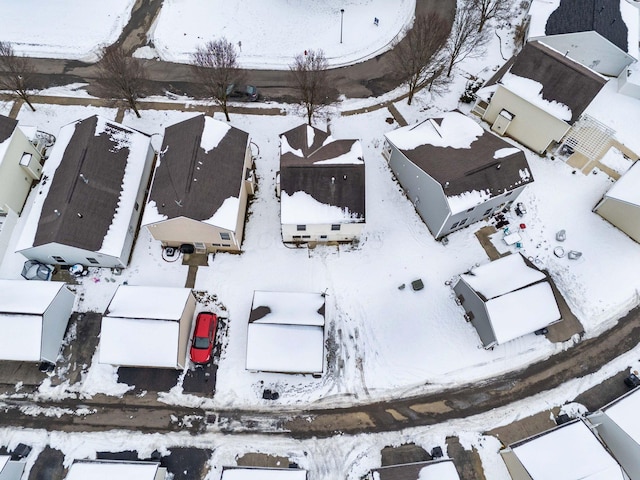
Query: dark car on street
x=204, y=335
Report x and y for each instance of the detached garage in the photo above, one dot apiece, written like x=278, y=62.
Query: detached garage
x=286, y=333
x=120, y=470
x=33, y=319
x=11, y=469
x=147, y=327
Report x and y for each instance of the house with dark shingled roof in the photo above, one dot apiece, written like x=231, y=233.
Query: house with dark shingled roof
x=537, y=95
x=454, y=172
x=201, y=186
x=321, y=185
x=89, y=200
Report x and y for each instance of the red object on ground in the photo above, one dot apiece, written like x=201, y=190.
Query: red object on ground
x=522, y=226
x=204, y=335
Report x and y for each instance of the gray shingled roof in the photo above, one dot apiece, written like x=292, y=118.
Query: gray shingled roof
x=461, y=170
x=563, y=80
x=339, y=185
x=192, y=183
x=7, y=126
x=602, y=16
x=86, y=209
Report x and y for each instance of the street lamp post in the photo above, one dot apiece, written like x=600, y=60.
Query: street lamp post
x=341, y=21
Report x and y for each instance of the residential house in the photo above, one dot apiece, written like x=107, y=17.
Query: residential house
x=321, y=185
x=116, y=469
x=201, y=186
x=454, y=172
x=33, y=319
x=537, y=95
x=256, y=473
x=90, y=198
x=618, y=425
x=568, y=452
x=11, y=469
x=286, y=332
x=506, y=298
x=433, y=470
x=599, y=34
x=147, y=327
x=620, y=205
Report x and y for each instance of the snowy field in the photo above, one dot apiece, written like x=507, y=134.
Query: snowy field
x=42, y=28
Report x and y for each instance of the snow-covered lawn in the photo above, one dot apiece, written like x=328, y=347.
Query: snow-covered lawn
x=5, y=107
x=74, y=29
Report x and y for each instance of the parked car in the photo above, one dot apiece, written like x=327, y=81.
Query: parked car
x=204, y=335
x=243, y=92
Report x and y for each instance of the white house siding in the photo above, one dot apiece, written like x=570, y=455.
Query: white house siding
x=531, y=126
x=177, y=231
x=625, y=216
x=71, y=255
x=421, y=189
x=322, y=233
x=622, y=446
x=15, y=181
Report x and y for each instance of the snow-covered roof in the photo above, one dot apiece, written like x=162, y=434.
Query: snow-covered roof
x=199, y=174
x=27, y=297
x=432, y=470
x=111, y=470
x=626, y=187
x=4, y=459
x=94, y=173
x=157, y=303
x=139, y=342
x=286, y=332
x=21, y=337
x=470, y=163
x=624, y=412
x=531, y=91
x=263, y=474
x=502, y=276
x=439, y=471
x=569, y=452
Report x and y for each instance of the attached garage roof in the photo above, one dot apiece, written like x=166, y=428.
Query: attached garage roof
x=21, y=337
x=112, y=470
x=23, y=296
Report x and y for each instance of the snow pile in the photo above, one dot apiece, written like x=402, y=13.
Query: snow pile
x=455, y=131
x=302, y=208
x=227, y=215
x=531, y=91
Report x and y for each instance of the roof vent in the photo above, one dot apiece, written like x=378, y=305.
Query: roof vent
x=84, y=179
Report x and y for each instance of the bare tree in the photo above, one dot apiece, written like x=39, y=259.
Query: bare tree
x=16, y=73
x=309, y=72
x=216, y=66
x=466, y=40
x=122, y=75
x=490, y=9
x=419, y=56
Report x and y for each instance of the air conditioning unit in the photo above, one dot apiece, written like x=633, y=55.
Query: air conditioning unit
x=31, y=164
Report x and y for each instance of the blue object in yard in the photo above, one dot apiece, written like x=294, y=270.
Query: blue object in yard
x=518, y=245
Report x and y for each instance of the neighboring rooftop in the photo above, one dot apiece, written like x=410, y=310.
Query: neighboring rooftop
x=25, y=297
x=110, y=470
x=624, y=412
x=162, y=303
x=199, y=174
x=321, y=179
x=433, y=470
x=626, y=187
x=462, y=156
x=263, y=474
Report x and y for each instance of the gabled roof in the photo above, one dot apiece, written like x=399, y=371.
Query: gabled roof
x=90, y=183
x=460, y=155
x=626, y=187
x=158, y=303
x=329, y=171
x=200, y=167
x=24, y=297
x=602, y=16
x=109, y=470
x=558, y=78
x=431, y=470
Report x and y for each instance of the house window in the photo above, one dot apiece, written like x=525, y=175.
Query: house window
x=460, y=299
x=463, y=221
x=508, y=193
x=136, y=206
x=454, y=225
x=306, y=236
x=226, y=245
x=335, y=228
x=471, y=209
x=323, y=237
x=92, y=260
x=225, y=236
x=301, y=228
x=58, y=259
x=487, y=212
x=297, y=236
x=469, y=316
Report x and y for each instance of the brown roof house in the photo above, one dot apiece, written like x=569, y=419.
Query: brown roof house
x=90, y=197
x=455, y=172
x=201, y=186
x=321, y=187
x=537, y=95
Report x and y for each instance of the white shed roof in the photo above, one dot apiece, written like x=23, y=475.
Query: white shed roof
x=263, y=474
x=439, y=471
x=291, y=308
x=112, y=470
x=30, y=297
x=4, y=459
x=139, y=342
x=502, y=276
x=626, y=188
x=569, y=452
x=161, y=303
x=624, y=412
x=21, y=337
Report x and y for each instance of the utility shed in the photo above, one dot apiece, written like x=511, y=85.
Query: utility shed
x=250, y=473
x=33, y=319
x=506, y=298
x=147, y=327
x=286, y=332
x=11, y=469
x=618, y=425
x=567, y=452
x=434, y=470
x=115, y=470
x=620, y=206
